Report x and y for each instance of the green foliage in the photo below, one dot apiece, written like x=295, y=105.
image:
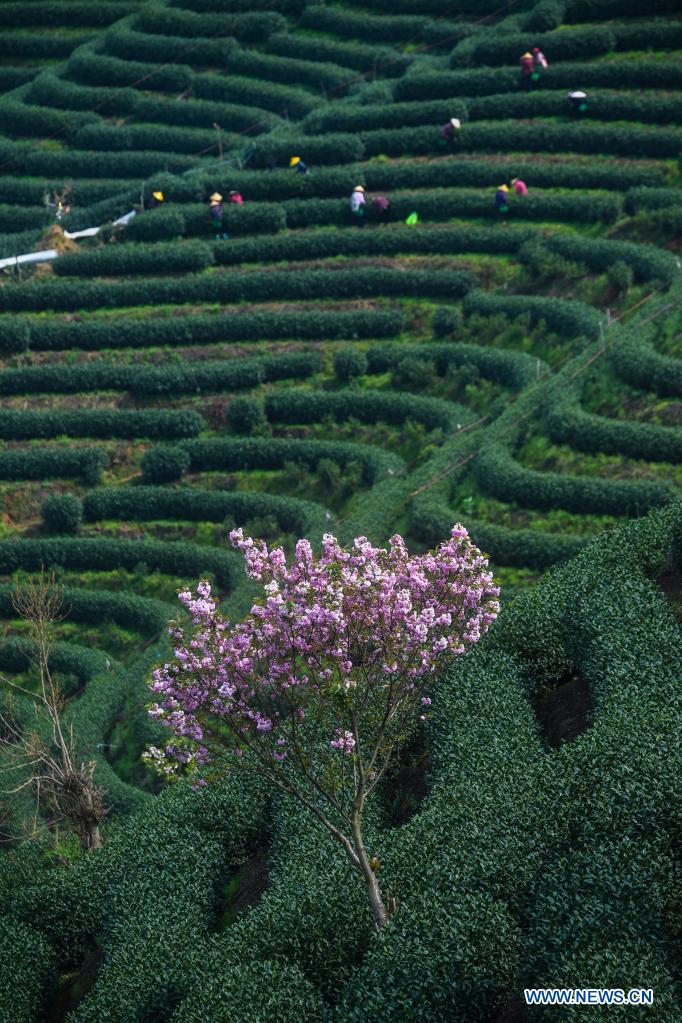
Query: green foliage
x=129, y=260
x=148, y=503
x=198, y=329
x=156, y=226
x=37, y=463
x=15, y=335
x=349, y=363
x=387, y=28
x=567, y=318
x=636, y=360
x=352, y=55
x=95, y=68
x=246, y=414
x=176, y=558
x=62, y=513
x=620, y=276
x=256, y=26
x=164, y=464
x=298, y=406
x=27, y=970
x=499, y=475
x=275, y=97
x=153, y=423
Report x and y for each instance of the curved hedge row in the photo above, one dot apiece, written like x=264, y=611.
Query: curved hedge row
x=352, y=55
x=97, y=555
x=144, y=614
x=431, y=522
x=254, y=26
x=637, y=361
x=279, y=99
x=501, y=476
x=24, y=157
x=110, y=423
x=567, y=317
x=95, y=68
x=167, y=139
x=617, y=74
x=648, y=262
x=638, y=199
x=513, y=369
x=124, y=260
x=117, y=332
x=123, y=41
x=383, y=29
x=310, y=73
x=195, y=113
x=50, y=90
x=266, y=453
x=143, y=503
x=356, y=117
x=36, y=463
x=298, y=406
x=70, y=296
x=567, y=423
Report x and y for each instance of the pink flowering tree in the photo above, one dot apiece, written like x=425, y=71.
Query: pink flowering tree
x=318, y=687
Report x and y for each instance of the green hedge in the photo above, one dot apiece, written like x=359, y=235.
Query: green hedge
x=613, y=74
x=143, y=614
x=95, y=68
x=49, y=90
x=512, y=369
x=20, y=118
x=265, y=453
x=638, y=199
x=384, y=29
x=567, y=317
x=352, y=55
x=159, y=225
x=648, y=262
x=603, y=106
x=355, y=117
x=44, y=13
x=124, y=42
x=137, y=504
x=35, y=46
x=249, y=219
x=191, y=141
x=431, y=522
x=92, y=335
x=325, y=77
x=62, y=513
x=31, y=192
x=37, y=463
x=287, y=285
x=253, y=27
x=128, y=260
x=98, y=555
x=297, y=406
x=501, y=476
x=279, y=99
x=567, y=423
x=23, y=157
x=194, y=113
x=28, y=969
x=315, y=149
x=452, y=202
x=154, y=423
x=637, y=361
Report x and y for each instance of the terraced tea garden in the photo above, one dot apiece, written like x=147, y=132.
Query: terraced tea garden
x=303, y=371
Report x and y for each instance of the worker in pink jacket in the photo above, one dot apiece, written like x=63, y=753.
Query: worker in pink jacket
x=520, y=187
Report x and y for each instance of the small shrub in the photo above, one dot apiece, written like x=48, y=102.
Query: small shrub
x=620, y=276
x=349, y=363
x=165, y=464
x=413, y=374
x=246, y=414
x=62, y=513
x=445, y=321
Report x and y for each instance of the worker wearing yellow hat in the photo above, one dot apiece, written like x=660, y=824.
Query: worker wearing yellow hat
x=156, y=200
x=527, y=69
x=300, y=165
x=215, y=211
x=501, y=200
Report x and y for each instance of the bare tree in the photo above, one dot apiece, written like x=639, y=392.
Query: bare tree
x=65, y=789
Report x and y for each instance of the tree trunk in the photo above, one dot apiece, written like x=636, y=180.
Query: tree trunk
x=376, y=900
x=90, y=836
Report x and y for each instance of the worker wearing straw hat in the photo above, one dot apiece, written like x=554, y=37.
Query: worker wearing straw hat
x=215, y=211
x=578, y=101
x=357, y=204
x=501, y=200
x=449, y=133
x=527, y=69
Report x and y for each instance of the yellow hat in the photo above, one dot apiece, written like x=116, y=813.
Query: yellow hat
x=294, y=160
x=158, y=195
x=216, y=197
x=359, y=188
x=504, y=188
x=527, y=56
